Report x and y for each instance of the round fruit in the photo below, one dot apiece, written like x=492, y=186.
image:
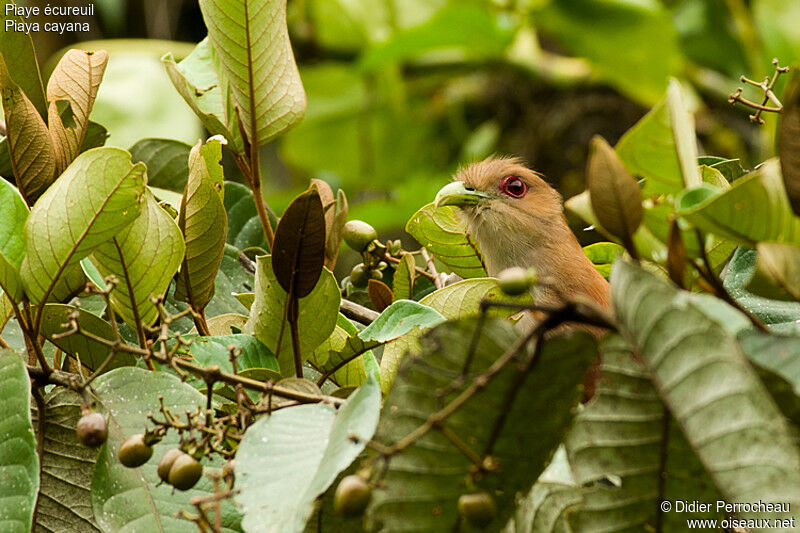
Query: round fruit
x=352, y=496
x=358, y=235
x=135, y=452
x=359, y=276
x=166, y=463
x=516, y=280
x=478, y=509
x=185, y=472
x=375, y=274
x=92, y=429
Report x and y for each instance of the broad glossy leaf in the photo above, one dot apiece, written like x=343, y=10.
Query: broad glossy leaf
x=317, y=314
x=463, y=298
x=648, y=151
x=789, y=141
x=682, y=125
x=602, y=255
x=98, y=195
x=143, y=257
x=615, y=195
x=167, y=162
x=256, y=65
x=404, y=275
x=629, y=454
x=423, y=483
x=33, y=158
x=731, y=169
x=777, y=274
x=55, y=320
x=19, y=464
x=71, y=92
x=443, y=232
x=754, y=209
x=209, y=351
x=717, y=399
x=298, y=253
x=288, y=459
x=244, y=226
x=134, y=498
x=780, y=316
x=13, y=214
x=16, y=49
x=65, y=501
x=204, y=225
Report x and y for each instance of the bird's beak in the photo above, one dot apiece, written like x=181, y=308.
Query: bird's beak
x=457, y=194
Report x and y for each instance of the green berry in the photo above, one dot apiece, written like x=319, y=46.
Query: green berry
x=516, y=280
x=92, y=429
x=477, y=509
x=358, y=235
x=135, y=452
x=185, y=472
x=352, y=496
x=166, y=463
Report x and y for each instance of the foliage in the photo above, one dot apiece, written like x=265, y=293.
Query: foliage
x=156, y=286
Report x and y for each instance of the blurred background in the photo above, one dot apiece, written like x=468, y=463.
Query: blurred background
x=402, y=92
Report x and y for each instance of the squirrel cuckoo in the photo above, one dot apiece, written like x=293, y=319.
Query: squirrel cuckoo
x=518, y=220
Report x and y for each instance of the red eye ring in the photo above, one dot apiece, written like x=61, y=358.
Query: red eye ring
x=513, y=186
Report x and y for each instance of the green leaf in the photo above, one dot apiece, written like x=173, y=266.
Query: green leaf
x=33, y=158
x=780, y=316
x=602, y=255
x=209, y=351
x=629, y=454
x=143, y=257
x=777, y=274
x=256, y=65
x=615, y=195
x=167, y=162
x=16, y=49
x=754, y=209
x=19, y=464
x=244, y=226
x=288, y=459
x=195, y=78
x=403, y=280
x=71, y=92
x=649, y=151
x=298, y=253
x=431, y=473
x=99, y=195
x=789, y=141
x=717, y=399
x=444, y=233
x=317, y=314
x=731, y=169
x=134, y=498
x=13, y=214
x=204, y=225
x=682, y=125
x=463, y=298
x=603, y=32
x=55, y=320
x=65, y=500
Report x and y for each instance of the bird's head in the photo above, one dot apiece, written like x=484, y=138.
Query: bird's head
x=509, y=209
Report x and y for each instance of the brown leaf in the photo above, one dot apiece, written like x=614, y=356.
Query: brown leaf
x=71, y=92
x=676, y=255
x=380, y=295
x=789, y=141
x=334, y=240
x=32, y=155
x=298, y=253
x=615, y=194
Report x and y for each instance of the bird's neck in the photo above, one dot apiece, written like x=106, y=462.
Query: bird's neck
x=563, y=269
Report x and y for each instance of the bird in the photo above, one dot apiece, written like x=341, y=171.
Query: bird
x=518, y=219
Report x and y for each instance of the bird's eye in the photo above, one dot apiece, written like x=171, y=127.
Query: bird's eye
x=513, y=186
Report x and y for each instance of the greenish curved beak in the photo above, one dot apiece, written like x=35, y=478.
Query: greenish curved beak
x=457, y=194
